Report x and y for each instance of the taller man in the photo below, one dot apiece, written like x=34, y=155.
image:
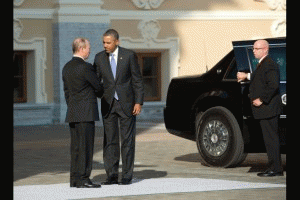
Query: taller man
x=266, y=105
x=80, y=86
x=122, y=100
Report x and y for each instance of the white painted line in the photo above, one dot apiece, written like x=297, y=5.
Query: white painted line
x=138, y=187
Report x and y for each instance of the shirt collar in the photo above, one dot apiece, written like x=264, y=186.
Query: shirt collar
x=116, y=52
x=78, y=57
x=262, y=59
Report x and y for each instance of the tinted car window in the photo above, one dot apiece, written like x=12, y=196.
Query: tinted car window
x=232, y=71
x=278, y=54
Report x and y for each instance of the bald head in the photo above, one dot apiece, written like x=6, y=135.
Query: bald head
x=260, y=49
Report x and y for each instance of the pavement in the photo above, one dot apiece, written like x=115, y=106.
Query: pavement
x=166, y=167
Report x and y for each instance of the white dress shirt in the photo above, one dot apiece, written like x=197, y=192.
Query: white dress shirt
x=116, y=54
x=249, y=74
x=78, y=56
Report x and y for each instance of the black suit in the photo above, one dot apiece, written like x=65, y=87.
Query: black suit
x=80, y=86
x=129, y=87
x=265, y=85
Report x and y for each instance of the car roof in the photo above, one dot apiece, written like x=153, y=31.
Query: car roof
x=272, y=41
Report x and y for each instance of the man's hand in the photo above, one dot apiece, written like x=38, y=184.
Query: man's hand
x=257, y=102
x=241, y=76
x=137, y=109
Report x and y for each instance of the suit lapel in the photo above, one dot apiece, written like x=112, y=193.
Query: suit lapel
x=120, y=62
x=107, y=64
x=258, y=68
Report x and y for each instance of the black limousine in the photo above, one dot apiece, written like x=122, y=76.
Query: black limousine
x=214, y=110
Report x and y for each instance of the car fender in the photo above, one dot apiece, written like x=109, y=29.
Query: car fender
x=215, y=97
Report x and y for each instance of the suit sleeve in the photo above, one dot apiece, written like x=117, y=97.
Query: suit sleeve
x=272, y=80
x=66, y=90
x=97, y=68
x=137, y=79
x=91, y=76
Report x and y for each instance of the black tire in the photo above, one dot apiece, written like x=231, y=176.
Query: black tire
x=219, y=138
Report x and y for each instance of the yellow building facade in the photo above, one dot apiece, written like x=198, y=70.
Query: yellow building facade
x=171, y=37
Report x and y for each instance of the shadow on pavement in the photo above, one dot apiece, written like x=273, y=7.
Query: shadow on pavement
x=256, y=161
x=46, y=149
x=139, y=175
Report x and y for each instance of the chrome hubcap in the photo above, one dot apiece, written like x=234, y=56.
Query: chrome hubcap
x=215, y=138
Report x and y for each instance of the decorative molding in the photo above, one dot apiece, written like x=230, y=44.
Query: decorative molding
x=96, y=14
x=149, y=30
x=171, y=44
x=38, y=45
x=18, y=28
x=196, y=15
x=147, y=4
x=276, y=5
x=278, y=28
x=33, y=13
x=18, y=2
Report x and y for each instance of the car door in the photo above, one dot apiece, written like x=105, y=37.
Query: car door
x=243, y=65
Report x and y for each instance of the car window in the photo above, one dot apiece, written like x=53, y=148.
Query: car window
x=232, y=71
x=278, y=54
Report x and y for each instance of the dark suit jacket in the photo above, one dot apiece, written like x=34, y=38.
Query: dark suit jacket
x=128, y=83
x=80, y=86
x=264, y=84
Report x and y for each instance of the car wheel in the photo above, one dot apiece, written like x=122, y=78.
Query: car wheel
x=219, y=138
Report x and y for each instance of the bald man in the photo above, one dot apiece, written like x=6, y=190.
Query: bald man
x=265, y=103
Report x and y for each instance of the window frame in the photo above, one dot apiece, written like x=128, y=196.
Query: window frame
x=157, y=55
x=253, y=68
x=23, y=77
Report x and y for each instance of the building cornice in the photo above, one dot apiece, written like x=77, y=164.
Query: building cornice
x=33, y=13
x=197, y=15
x=151, y=14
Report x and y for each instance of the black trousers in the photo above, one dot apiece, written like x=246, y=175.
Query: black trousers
x=270, y=132
x=82, y=148
x=118, y=124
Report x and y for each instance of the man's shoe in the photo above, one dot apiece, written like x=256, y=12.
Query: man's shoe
x=125, y=181
x=270, y=174
x=111, y=181
x=88, y=184
x=73, y=184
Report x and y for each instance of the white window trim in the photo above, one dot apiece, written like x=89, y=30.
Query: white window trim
x=38, y=45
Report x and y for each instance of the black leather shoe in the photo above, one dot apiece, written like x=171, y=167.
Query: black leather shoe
x=270, y=174
x=88, y=185
x=125, y=181
x=110, y=181
x=73, y=183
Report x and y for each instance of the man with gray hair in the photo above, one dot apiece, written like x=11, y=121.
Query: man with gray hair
x=81, y=85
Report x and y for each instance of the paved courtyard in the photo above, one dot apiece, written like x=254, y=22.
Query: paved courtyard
x=166, y=167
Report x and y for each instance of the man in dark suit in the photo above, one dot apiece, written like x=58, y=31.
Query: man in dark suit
x=266, y=105
x=80, y=86
x=122, y=100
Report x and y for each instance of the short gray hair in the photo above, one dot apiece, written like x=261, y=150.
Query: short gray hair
x=78, y=43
